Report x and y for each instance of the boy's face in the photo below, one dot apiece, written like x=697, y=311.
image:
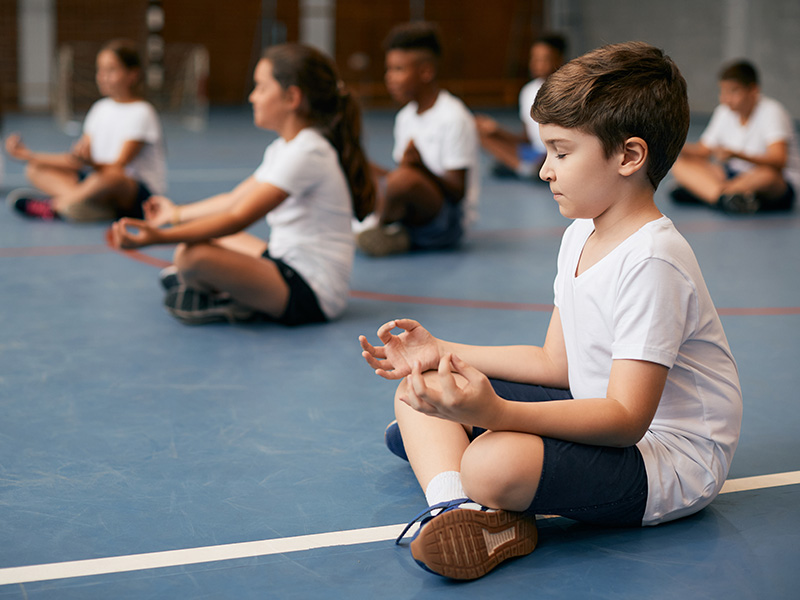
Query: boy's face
x=407, y=71
x=544, y=60
x=580, y=175
x=740, y=98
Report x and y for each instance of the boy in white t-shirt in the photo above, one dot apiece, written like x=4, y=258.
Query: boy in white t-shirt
x=432, y=195
x=747, y=158
x=630, y=412
x=521, y=155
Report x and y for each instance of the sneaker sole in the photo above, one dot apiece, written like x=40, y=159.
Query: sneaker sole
x=467, y=544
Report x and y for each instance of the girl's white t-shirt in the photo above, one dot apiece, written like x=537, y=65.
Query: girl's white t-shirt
x=109, y=124
x=310, y=230
x=647, y=300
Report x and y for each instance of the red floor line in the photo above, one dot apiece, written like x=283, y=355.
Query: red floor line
x=378, y=296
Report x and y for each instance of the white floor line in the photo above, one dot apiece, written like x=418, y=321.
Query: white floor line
x=190, y=556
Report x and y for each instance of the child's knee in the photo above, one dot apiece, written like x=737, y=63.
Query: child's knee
x=502, y=469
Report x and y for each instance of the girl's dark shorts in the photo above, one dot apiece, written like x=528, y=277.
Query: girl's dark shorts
x=592, y=484
x=303, y=306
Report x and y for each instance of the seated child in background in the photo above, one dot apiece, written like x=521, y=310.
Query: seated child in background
x=630, y=412
x=522, y=154
x=311, y=182
x=116, y=164
x=747, y=158
x=432, y=194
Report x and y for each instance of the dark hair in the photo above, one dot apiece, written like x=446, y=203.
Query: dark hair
x=740, y=71
x=619, y=91
x=332, y=109
x=416, y=35
x=126, y=52
x=555, y=40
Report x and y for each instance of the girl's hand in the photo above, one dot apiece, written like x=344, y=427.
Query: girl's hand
x=133, y=233
x=470, y=400
x=394, y=359
x=16, y=149
x=82, y=150
x=160, y=211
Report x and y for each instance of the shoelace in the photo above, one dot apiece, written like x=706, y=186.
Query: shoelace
x=426, y=515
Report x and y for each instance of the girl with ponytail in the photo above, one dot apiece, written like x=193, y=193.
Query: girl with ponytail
x=314, y=177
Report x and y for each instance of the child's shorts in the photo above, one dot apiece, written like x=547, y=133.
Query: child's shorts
x=444, y=231
x=592, y=484
x=136, y=211
x=303, y=306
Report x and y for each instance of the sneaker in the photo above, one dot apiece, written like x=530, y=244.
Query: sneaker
x=382, y=241
x=30, y=203
x=461, y=543
x=169, y=278
x=194, y=307
x=681, y=195
x=739, y=204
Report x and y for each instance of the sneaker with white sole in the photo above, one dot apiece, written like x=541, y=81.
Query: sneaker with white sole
x=462, y=543
x=739, y=204
x=384, y=240
x=195, y=307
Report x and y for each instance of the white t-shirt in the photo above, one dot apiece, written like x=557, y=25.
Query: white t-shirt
x=447, y=139
x=109, y=124
x=310, y=230
x=526, y=97
x=769, y=123
x=647, y=300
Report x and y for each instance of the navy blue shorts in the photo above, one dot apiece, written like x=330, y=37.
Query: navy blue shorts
x=303, y=306
x=592, y=484
x=444, y=231
x=136, y=211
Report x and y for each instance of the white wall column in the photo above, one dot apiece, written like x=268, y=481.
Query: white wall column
x=318, y=24
x=735, y=27
x=36, y=50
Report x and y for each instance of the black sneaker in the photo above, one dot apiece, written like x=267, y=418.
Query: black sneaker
x=194, y=307
x=30, y=203
x=169, y=278
x=681, y=195
x=739, y=204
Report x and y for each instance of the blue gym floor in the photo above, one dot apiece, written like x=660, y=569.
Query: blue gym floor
x=124, y=433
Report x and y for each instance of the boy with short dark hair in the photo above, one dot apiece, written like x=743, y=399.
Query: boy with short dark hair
x=522, y=154
x=748, y=157
x=431, y=196
x=630, y=412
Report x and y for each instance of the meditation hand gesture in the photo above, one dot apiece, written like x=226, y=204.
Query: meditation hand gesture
x=394, y=360
x=16, y=148
x=133, y=233
x=159, y=211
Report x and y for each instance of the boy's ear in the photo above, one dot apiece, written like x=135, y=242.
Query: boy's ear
x=427, y=71
x=634, y=156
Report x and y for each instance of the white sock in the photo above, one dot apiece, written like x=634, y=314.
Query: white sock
x=447, y=486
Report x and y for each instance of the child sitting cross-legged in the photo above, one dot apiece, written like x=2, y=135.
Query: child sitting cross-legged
x=629, y=413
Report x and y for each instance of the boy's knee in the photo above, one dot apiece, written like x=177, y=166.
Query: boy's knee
x=502, y=469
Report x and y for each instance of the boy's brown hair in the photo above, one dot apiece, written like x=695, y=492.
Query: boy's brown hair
x=741, y=71
x=620, y=91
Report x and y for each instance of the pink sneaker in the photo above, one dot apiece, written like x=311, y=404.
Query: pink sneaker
x=31, y=206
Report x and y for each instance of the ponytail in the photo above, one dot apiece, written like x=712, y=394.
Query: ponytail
x=330, y=108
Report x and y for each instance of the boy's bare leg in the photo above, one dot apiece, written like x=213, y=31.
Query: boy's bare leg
x=502, y=469
x=411, y=198
x=759, y=180
x=432, y=445
x=699, y=176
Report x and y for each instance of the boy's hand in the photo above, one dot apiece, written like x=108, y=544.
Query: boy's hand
x=470, y=399
x=393, y=360
x=133, y=233
x=82, y=151
x=411, y=156
x=486, y=125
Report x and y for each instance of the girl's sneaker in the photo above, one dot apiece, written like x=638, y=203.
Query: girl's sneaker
x=169, y=278
x=462, y=543
x=30, y=203
x=195, y=307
